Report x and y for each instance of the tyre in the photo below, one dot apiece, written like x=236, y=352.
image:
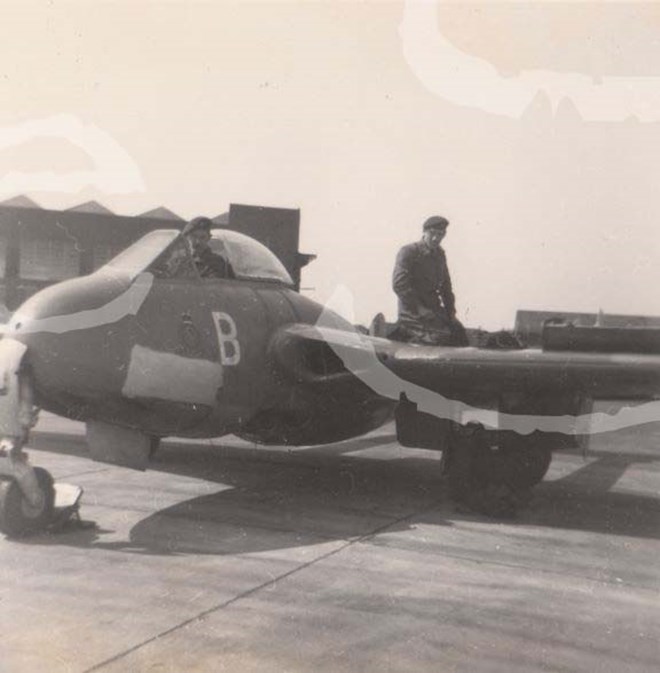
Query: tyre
x=525, y=461
x=17, y=515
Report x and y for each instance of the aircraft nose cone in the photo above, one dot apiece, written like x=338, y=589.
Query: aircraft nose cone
x=79, y=303
x=76, y=335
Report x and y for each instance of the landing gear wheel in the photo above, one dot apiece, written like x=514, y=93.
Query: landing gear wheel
x=17, y=515
x=495, y=480
x=525, y=461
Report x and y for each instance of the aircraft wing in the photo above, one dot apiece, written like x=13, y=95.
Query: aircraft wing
x=320, y=350
x=457, y=383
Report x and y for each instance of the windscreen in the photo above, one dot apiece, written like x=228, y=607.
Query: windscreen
x=249, y=258
x=137, y=257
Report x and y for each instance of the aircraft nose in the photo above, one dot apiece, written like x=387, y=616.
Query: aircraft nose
x=76, y=332
x=79, y=303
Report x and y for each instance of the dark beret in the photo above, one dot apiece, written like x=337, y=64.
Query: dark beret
x=436, y=222
x=196, y=223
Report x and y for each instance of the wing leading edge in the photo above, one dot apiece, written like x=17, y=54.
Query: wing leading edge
x=522, y=390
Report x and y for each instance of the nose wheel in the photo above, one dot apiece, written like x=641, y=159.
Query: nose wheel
x=20, y=515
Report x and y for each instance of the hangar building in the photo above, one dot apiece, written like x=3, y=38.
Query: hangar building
x=529, y=324
x=39, y=247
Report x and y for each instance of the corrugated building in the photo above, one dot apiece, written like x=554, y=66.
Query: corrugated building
x=529, y=324
x=39, y=246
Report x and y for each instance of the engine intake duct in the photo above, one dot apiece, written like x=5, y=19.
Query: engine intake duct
x=567, y=337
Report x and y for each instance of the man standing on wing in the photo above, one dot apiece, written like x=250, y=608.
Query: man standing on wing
x=421, y=281
x=427, y=315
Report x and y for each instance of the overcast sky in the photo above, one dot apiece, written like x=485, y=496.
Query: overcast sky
x=534, y=127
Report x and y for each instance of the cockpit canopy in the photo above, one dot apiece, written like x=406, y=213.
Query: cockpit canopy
x=165, y=253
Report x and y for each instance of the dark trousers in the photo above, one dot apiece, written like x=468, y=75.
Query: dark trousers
x=438, y=330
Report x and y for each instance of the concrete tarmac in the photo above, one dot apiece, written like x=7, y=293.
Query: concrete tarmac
x=228, y=557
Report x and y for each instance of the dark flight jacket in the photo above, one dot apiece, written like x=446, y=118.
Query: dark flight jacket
x=421, y=278
x=211, y=265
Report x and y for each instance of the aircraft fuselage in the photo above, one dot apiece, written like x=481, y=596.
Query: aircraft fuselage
x=178, y=357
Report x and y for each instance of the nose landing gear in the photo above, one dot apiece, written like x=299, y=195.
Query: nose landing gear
x=27, y=494
x=27, y=501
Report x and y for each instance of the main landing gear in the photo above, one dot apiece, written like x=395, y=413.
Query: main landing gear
x=488, y=471
x=495, y=479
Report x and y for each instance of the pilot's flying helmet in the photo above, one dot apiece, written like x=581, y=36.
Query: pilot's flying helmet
x=197, y=223
x=435, y=223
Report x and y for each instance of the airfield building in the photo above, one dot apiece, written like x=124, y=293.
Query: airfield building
x=39, y=247
x=529, y=324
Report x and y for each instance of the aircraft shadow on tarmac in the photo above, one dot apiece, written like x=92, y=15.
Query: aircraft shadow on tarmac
x=278, y=500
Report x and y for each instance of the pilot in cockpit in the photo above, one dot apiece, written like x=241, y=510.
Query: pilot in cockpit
x=209, y=263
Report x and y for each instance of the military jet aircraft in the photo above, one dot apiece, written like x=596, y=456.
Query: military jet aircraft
x=145, y=348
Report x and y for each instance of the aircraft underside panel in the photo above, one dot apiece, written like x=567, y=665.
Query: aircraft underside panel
x=118, y=445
